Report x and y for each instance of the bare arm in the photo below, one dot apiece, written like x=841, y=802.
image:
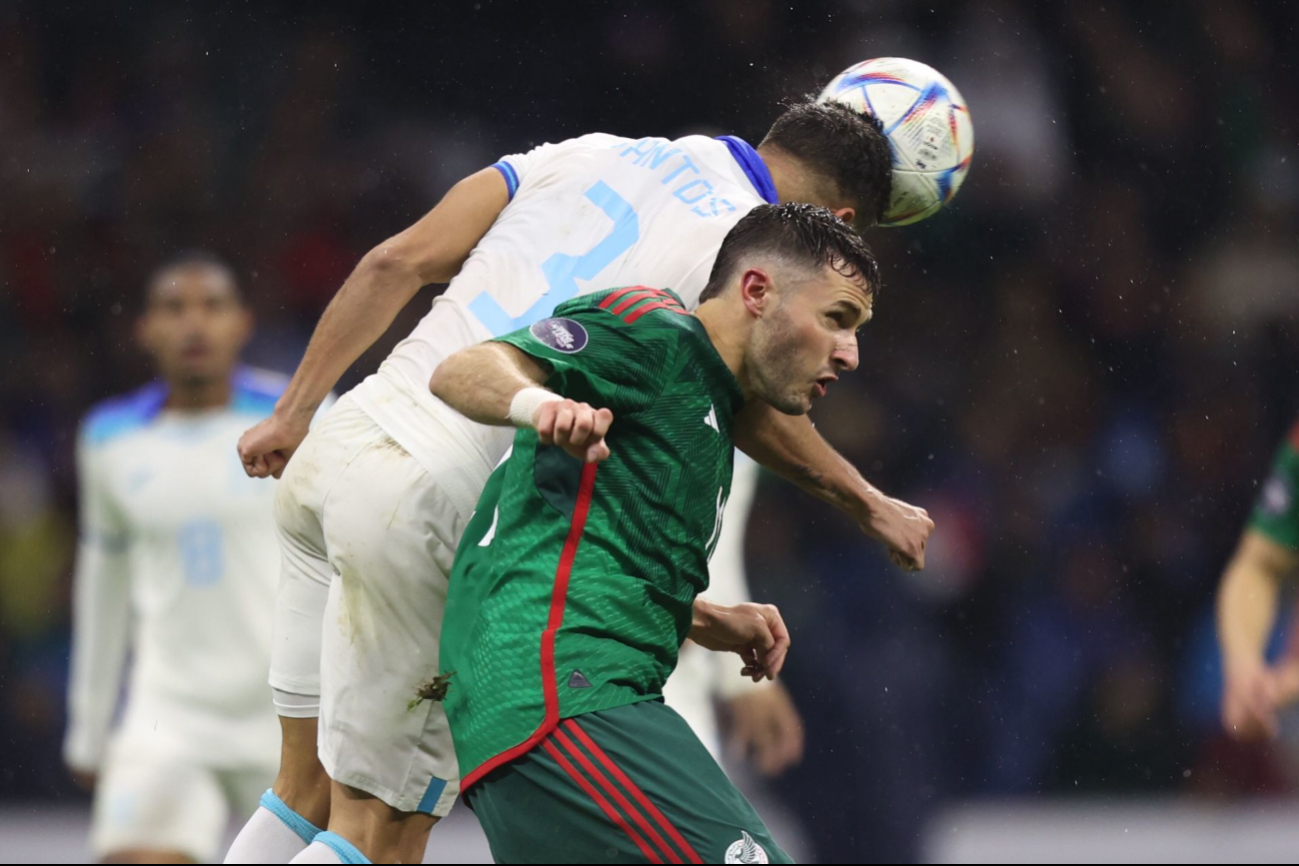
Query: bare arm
x=1247, y=611
x=790, y=446
x=430, y=251
x=482, y=382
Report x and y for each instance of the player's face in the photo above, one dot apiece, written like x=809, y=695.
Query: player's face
x=195, y=325
x=810, y=337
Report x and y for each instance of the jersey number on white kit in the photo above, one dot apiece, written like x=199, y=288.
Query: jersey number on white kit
x=563, y=270
x=202, y=552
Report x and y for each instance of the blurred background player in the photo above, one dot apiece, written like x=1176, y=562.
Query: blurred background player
x=514, y=239
x=178, y=562
x=1254, y=690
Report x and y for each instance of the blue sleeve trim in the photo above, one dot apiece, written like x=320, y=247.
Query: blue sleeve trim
x=511, y=176
x=113, y=418
x=753, y=166
x=346, y=851
x=306, y=830
x=255, y=391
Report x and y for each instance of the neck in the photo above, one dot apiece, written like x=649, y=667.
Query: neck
x=192, y=396
x=727, y=333
x=792, y=179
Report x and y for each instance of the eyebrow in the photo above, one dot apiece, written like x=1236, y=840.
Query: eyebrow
x=856, y=311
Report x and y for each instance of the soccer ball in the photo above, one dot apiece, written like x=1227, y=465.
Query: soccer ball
x=928, y=127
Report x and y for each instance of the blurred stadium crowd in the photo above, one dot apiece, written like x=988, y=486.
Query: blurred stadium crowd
x=1081, y=369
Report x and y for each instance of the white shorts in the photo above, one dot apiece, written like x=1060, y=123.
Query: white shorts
x=368, y=537
x=149, y=800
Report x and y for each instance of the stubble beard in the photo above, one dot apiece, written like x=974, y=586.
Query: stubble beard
x=772, y=368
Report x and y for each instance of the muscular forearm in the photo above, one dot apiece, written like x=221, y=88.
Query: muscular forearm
x=358, y=315
x=430, y=251
x=702, y=617
x=481, y=382
x=1247, y=609
x=790, y=446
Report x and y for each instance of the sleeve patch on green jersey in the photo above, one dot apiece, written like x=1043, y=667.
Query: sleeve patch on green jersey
x=562, y=335
x=1276, y=514
x=1276, y=498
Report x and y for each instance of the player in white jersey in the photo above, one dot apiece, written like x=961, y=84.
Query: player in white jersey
x=374, y=501
x=178, y=562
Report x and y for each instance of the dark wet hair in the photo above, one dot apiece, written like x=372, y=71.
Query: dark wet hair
x=802, y=234
x=845, y=146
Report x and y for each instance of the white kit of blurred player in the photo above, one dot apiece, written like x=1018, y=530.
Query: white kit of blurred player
x=374, y=501
x=178, y=562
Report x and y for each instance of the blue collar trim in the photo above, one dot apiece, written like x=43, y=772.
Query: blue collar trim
x=754, y=168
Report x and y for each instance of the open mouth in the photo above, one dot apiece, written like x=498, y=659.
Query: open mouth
x=823, y=384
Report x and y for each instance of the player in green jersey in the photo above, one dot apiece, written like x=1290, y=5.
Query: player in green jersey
x=573, y=585
x=1248, y=601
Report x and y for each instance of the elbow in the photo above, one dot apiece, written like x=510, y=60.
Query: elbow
x=437, y=384
x=400, y=259
x=443, y=379
x=388, y=261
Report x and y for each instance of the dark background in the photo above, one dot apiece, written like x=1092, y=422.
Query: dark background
x=1081, y=368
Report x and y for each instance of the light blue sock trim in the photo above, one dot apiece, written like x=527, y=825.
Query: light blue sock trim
x=345, y=850
x=306, y=830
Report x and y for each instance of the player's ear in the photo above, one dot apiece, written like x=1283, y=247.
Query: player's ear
x=755, y=291
x=847, y=214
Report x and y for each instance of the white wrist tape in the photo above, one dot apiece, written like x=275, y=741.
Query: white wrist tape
x=525, y=403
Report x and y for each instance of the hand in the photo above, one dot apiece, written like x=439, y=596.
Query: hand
x=765, y=725
x=904, y=529
x=575, y=427
x=265, y=449
x=1250, y=698
x=756, y=632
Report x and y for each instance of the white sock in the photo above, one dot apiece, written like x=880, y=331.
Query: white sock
x=330, y=848
x=274, y=834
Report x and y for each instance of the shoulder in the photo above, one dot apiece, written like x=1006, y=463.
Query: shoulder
x=627, y=305
x=255, y=390
x=119, y=416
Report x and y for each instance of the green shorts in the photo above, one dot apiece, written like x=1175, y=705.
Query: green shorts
x=627, y=785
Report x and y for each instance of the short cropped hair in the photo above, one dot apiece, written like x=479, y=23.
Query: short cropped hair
x=194, y=258
x=846, y=147
x=801, y=234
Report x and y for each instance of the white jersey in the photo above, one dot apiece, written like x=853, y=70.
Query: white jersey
x=178, y=559
x=587, y=214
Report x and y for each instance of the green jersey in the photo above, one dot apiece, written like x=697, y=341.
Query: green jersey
x=573, y=584
x=1276, y=513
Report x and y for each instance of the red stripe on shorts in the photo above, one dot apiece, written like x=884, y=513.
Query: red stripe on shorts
x=594, y=772
x=674, y=834
x=608, y=810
